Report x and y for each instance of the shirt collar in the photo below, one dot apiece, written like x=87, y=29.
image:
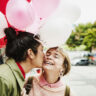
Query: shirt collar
x=21, y=69
x=43, y=82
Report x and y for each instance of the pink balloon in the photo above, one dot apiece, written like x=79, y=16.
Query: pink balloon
x=34, y=28
x=45, y=7
x=20, y=13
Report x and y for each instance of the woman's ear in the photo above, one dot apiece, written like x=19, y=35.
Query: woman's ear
x=30, y=53
x=62, y=72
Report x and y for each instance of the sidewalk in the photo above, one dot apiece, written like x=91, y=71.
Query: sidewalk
x=82, y=80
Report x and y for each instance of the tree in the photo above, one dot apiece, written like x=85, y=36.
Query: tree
x=81, y=35
x=90, y=39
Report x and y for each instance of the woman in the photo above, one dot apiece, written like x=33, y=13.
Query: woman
x=56, y=65
x=24, y=52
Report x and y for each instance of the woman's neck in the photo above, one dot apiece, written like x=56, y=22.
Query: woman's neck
x=51, y=77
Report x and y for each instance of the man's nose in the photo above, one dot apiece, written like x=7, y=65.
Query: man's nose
x=43, y=56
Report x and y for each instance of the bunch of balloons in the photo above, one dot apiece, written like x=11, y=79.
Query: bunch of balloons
x=28, y=15
x=58, y=28
x=25, y=14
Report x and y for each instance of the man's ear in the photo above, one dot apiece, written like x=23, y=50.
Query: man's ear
x=30, y=53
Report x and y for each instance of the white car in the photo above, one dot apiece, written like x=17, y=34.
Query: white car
x=76, y=60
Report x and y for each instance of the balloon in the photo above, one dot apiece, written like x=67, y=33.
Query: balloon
x=3, y=4
x=20, y=13
x=68, y=11
x=45, y=7
x=2, y=42
x=55, y=32
x=3, y=24
x=34, y=28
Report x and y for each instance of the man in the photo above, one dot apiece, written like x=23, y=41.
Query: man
x=24, y=52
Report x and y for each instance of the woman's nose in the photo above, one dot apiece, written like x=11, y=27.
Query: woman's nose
x=49, y=57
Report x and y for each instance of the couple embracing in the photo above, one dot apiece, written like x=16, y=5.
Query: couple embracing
x=25, y=52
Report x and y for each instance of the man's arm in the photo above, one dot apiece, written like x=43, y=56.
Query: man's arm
x=4, y=87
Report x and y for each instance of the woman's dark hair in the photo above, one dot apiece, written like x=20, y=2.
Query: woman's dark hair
x=19, y=42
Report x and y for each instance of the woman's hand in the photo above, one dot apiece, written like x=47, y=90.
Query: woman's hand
x=23, y=93
x=27, y=87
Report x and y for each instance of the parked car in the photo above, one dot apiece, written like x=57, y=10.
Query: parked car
x=76, y=56
x=83, y=62
x=75, y=61
x=91, y=57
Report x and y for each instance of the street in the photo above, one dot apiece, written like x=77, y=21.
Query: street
x=82, y=80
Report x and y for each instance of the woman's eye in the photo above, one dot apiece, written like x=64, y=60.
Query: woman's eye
x=47, y=54
x=56, y=56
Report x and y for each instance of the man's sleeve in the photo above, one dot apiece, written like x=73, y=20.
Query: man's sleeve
x=4, y=87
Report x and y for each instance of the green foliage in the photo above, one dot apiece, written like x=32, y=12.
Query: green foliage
x=90, y=39
x=83, y=34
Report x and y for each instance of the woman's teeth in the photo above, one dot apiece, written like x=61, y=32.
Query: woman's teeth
x=49, y=63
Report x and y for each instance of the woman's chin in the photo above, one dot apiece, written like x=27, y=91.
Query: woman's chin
x=48, y=67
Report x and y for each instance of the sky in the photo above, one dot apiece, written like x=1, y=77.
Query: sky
x=88, y=10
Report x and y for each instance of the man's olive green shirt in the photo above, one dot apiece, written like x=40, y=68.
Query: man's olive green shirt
x=11, y=79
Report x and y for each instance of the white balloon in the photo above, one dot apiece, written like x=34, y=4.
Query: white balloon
x=35, y=27
x=55, y=32
x=3, y=24
x=69, y=11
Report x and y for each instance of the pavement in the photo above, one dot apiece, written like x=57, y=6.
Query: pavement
x=82, y=80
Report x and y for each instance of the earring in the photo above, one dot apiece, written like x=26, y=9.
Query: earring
x=61, y=73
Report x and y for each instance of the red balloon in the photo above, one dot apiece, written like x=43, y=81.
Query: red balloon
x=3, y=4
x=3, y=42
x=29, y=1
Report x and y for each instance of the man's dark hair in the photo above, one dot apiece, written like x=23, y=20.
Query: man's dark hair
x=19, y=42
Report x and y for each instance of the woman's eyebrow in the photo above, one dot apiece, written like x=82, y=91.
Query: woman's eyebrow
x=58, y=54
x=48, y=52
